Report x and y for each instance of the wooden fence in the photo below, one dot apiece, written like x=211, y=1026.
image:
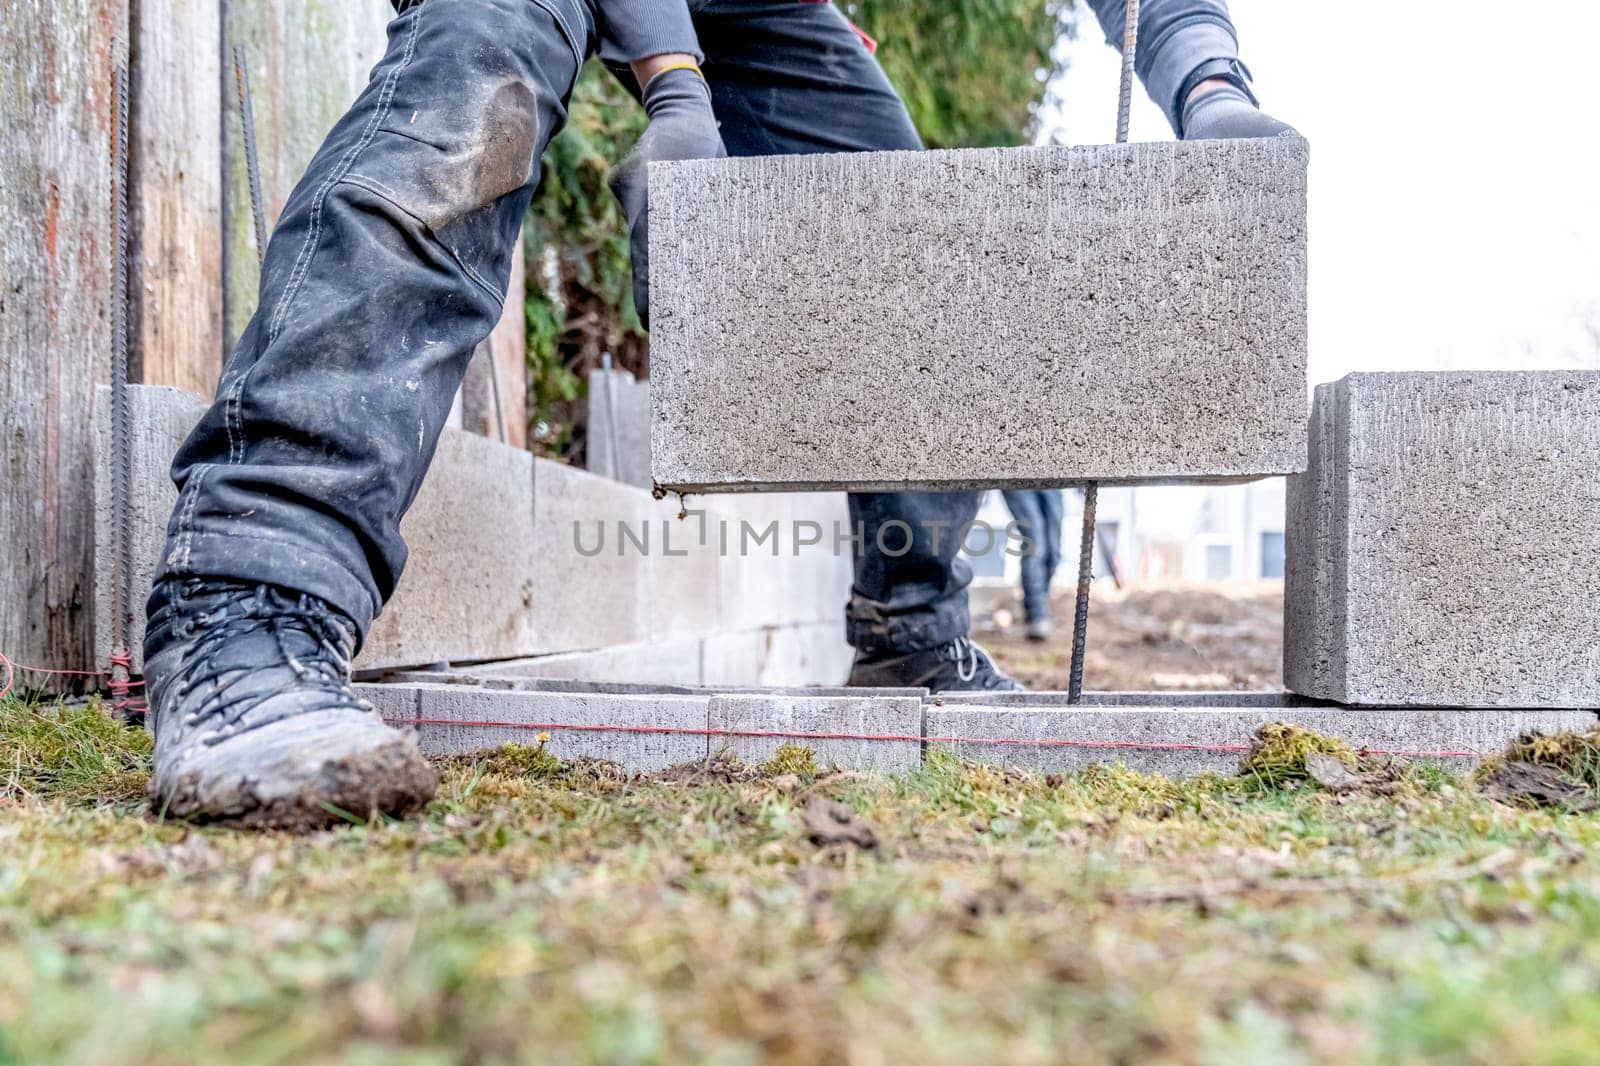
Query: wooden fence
x=193, y=263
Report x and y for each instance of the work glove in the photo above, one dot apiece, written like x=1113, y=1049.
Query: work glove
x=682, y=126
x=1226, y=111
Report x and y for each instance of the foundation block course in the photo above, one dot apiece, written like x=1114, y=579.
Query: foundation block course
x=855, y=715
x=869, y=321
x=1444, y=545
x=1175, y=740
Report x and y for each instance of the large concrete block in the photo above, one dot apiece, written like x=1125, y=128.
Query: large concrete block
x=469, y=584
x=159, y=419
x=1443, y=546
x=847, y=717
x=637, y=732
x=1185, y=740
x=994, y=317
x=591, y=579
x=675, y=662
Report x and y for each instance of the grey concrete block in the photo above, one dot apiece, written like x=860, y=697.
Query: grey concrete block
x=670, y=663
x=455, y=720
x=159, y=419
x=855, y=716
x=592, y=583
x=470, y=580
x=1046, y=700
x=1442, y=545
x=994, y=317
x=619, y=427
x=813, y=653
x=1175, y=740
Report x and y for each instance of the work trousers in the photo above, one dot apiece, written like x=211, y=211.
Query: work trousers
x=390, y=264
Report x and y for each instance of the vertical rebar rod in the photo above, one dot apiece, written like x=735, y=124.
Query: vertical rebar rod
x=1080, y=611
x=494, y=389
x=252, y=162
x=121, y=443
x=615, y=465
x=1130, y=48
x=1091, y=491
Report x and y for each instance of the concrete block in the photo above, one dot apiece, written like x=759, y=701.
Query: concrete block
x=591, y=582
x=619, y=427
x=1442, y=546
x=528, y=714
x=1175, y=740
x=159, y=419
x=684, y=564
x=1046, y=700
x=854, y=715
x=869, y=321
x=469, y=583
x=670, y=663
x=813, y=653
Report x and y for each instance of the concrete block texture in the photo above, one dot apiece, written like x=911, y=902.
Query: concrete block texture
x=453, y=720
x=1442, y=545
x=856, y=716
x=991, y=317
x=1179, y=741
x=470, y=580
x=619, y=427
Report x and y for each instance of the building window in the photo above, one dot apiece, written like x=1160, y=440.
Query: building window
x=1272, y=555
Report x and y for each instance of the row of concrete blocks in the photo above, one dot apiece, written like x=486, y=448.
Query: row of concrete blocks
x=651, y=728
x=515, y=556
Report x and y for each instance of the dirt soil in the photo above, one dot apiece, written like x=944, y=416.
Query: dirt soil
x=1166, y=637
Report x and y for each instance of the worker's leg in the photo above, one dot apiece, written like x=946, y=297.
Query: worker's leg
x=792, y=77
x=388, y=266
x=1027, y=506
x=1052, y=510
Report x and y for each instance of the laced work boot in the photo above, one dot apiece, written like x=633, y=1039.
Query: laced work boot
x=959, y=666
x=255, y=720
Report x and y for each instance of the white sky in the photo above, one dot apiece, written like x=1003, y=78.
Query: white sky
x=1455, y=182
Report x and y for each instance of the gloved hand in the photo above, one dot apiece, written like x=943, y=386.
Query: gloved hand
x=682, y=126
x=1223, y=110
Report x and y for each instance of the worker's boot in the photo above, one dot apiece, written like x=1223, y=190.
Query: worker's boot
x=1039, y=630
x=255, y=721
x=959, y=666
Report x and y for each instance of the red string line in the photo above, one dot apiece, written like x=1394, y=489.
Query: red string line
x=1147, y=745
x=121, y=698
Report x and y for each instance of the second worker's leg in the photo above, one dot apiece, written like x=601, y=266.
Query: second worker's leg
x=792, y=77
x=388, y=266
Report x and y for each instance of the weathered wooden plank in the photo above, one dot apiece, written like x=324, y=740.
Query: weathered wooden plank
x=308, y=61
x=55, y=257
x=508, y=346
x=177, y=193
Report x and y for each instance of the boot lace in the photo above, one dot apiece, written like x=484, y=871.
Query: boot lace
x=312, y=643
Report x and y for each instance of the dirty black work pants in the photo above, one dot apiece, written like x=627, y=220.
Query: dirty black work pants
x=390, y=264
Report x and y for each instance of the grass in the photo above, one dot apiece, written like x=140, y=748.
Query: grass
x=540, y=912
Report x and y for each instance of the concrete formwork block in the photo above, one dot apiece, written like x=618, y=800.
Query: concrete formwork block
x=454, y=720
x=592, y=574
x=1442, y=545
x=1176, y=741
x=469, y=583
x=674, y=662
x=814, y=653
x=159, y=419
x=1152, y=296
x=856, y=716
x=684, y=564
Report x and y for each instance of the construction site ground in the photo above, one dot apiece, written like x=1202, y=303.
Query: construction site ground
x=1148, y=637
x=542, y=912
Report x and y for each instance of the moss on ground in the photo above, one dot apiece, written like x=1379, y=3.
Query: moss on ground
x=573, y=913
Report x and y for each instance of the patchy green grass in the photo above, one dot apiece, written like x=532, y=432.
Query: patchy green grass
x=546, y=913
